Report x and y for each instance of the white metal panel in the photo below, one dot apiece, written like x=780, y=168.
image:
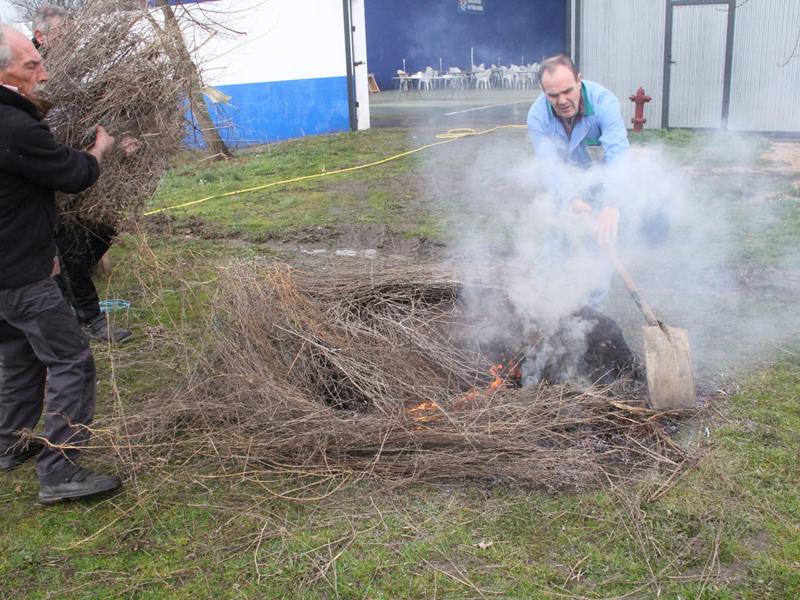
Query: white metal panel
x=698, y=65
x=360, y=70
x=765, y=84
x=277, y=40
x=622, y=48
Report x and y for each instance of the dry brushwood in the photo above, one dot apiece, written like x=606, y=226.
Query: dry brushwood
x=111, y=67
x=382, y=373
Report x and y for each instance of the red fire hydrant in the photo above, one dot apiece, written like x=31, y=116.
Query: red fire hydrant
x=639, y=99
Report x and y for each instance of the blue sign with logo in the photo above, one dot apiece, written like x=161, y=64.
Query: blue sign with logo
x=474, y=7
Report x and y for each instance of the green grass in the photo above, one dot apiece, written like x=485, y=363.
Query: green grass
x=710, y=148
x=729, y=528
x=735, y=515
x=781, y=218
x=292, y=207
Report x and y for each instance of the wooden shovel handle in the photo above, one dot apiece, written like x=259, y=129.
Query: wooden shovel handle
x=648, y=313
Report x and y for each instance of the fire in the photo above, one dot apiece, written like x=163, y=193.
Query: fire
x=423, y=406
x=497, y=383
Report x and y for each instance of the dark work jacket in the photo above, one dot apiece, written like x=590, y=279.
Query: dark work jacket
x=33, y=166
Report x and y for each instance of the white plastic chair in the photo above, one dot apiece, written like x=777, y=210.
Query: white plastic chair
x=423, y=79
x=456, y=76
x=483, y=78
x=403, y=79
x=534, y=69
x=509, y=77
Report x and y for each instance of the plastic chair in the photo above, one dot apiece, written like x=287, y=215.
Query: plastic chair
x=423, y=80
x=509, y=77
x=483, y=78
x=402, y=80
x=456, y=77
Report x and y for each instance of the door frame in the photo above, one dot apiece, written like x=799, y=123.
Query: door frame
x=726, y=85
x=351, y=79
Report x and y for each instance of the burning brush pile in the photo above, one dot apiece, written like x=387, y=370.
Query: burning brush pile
x=112, y=66
x=384, y=373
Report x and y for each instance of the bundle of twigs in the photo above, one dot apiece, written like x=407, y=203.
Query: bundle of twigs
x=111, y=66
x=384, y=373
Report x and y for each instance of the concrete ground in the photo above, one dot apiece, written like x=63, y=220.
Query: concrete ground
x=445, y=109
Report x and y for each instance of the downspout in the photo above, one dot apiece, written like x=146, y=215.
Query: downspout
x=667, y=66
x=577, y=58
x=726, y=85
x=568, y=49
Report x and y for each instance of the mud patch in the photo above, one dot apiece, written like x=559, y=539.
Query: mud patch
x=367, y=240
x=164, y=224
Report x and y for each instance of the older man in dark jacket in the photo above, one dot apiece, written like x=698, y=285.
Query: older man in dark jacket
x=41, y=342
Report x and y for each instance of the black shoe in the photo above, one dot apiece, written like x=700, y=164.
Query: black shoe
x=11, y=458
x=98, y=329
x=82, y=484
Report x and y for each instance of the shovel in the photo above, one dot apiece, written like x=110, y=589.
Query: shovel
x=667, y=355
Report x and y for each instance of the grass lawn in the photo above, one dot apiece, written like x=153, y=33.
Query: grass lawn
x=728, y=528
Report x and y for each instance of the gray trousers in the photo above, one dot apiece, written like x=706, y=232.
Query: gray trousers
x=41, y=343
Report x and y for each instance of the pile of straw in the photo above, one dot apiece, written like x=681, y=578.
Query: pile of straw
x=112, y=67
x=382, y=373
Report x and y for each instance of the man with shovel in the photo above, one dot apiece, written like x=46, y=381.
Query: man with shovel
x=570, y=116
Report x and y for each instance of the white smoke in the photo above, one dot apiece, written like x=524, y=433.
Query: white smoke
x=691, y=216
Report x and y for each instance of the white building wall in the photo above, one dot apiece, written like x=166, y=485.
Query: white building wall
x=270, y=40
x=765, y=84
x=283, y=63
x=698, y=65
x=622, y=48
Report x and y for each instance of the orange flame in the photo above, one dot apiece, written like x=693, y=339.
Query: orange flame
x=423, y=406
x=499, y=381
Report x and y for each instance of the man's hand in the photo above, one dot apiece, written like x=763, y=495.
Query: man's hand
x=607, y=226
x=129, y=145
x=103, y=143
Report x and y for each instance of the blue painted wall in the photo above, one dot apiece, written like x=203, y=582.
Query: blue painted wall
x=261, y=113
x=422, y=31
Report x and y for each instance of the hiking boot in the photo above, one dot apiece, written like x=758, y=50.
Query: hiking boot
x=12, y=458
x=81, y=484
x=98, y=329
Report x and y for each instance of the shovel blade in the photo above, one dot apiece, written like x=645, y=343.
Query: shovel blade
x=668, y=361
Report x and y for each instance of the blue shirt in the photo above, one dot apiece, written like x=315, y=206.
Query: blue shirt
x=600, y=125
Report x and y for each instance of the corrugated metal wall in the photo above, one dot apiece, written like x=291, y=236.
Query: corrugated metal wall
x=622, y=47
x=765, y=88
x=622, y=44
x=698, y=65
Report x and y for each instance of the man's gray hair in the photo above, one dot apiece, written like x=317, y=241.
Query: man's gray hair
x=43, y=16
x=5, y=49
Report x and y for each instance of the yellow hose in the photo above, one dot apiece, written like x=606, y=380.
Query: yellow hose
x=450, y=136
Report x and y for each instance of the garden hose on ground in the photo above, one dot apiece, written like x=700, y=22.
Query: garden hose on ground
x=446, y=138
